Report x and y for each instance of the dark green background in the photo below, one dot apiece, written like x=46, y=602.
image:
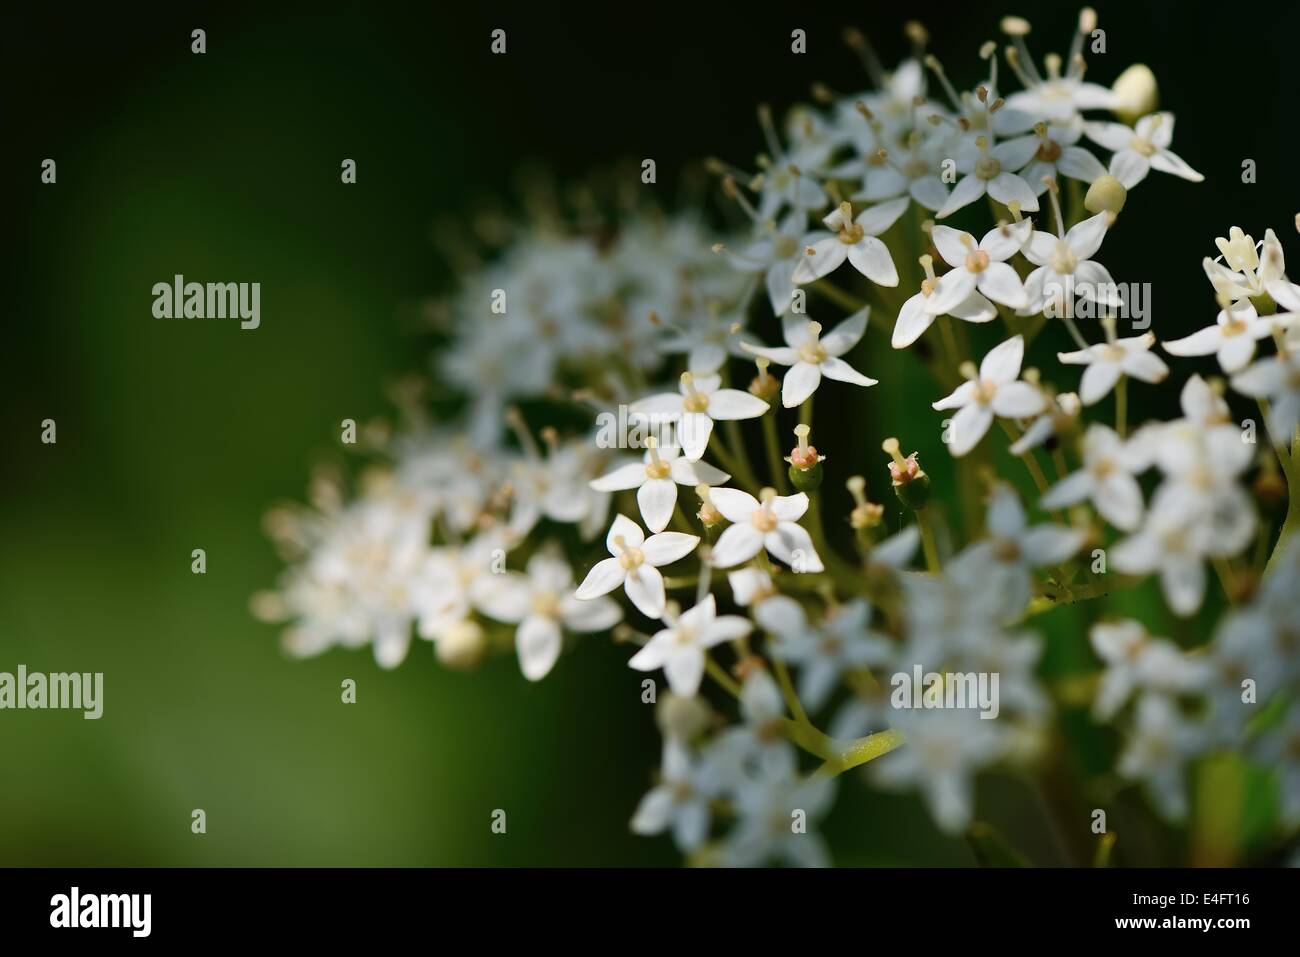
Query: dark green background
x=177, y=435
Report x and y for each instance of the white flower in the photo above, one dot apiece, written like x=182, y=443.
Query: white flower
x=917, y=315
x=1141, y=149
x=777, y=255
x=541, y=602
x=656, y=480
x=844, y=642
x=979, y=267
x=1135, y=660
x=679, y=649
x=909, y=170
x=680, y=801
x=987, y=173
x=1059, y=96
x=1056, y=154
x=1107, y=361
x=756, y=748
x=944, y=749
x=1231, y=339
x=769, y=524
x=555, y=486
x=1106, y=478
x=700, y=402
x=1172, y=544
x=855, y=240
x=1162, y=743
x=1277, y=379
x=1246, y=270
x=769, y=807
x=811, y=356
x=995, y=390
x=636, y=564
x=1005, y=560
x=1066, y=268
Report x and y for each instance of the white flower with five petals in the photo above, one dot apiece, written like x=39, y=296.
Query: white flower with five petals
x=635, y=565
x=541, y=602
x=855, y=240
x=994, y=390
x=701, y=401
x=680, y=648
x=811, y=355
x=656, y=480
x=768, y=524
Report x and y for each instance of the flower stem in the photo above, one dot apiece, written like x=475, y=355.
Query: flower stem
x=928, y=543
x=780, y=479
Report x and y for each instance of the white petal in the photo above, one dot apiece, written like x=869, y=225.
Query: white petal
x=876, y=219
x=628, y=531
x=966, y=192
x=968, y=427
x=841, y=371
x=685, y=669
x=1002, y=364
x=799, y=382
x=819, y=258
x=789, y=508
x=912, y=321
x=623, y=477
x=734, y=504
x=953, y=244
x=952, y=288
x=1045, y=545
x=645, y=588
x=537, y=642
x=727, y=404
x=603, y=578
x=1007, y=188
x=1084, y=238
x=1098, y=379
x=1170, y=162
x=738, y=543
x=1018, y=400
x=693, y=431
x=657, y=499
x=791, y=544
x=1001, y=283
x=667, y=547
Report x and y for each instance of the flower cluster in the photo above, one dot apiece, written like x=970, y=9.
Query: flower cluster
x=613, y=382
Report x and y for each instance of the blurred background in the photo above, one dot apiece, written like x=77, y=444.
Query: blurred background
x=177, y=435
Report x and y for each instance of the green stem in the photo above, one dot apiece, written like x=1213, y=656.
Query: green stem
x=780, y=478
x=928, y=541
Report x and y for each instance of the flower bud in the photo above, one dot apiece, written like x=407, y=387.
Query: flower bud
x=682, y=718
x=805, y=463
x=865, y=514
x=462, y=645
x=1106, y=193
x=1136, y=93
x=911, y=484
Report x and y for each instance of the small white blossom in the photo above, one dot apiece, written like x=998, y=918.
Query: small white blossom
x=768, y=524
x=635, y=565
x=995, y=389
x=1108, y=361
x=1141, y=148
x=852, y=239
x=811, y=355
x=656, y=480
x=680, y=648
x=700, y=402
x=1107, y=479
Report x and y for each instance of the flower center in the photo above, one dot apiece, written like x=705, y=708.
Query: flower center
x=631, y=558
x=546, y=604
x=1140, y=145
x=1064, y=260
x=977, y=260
x=785, y=247
x=1049, y=151
x=763, y=520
